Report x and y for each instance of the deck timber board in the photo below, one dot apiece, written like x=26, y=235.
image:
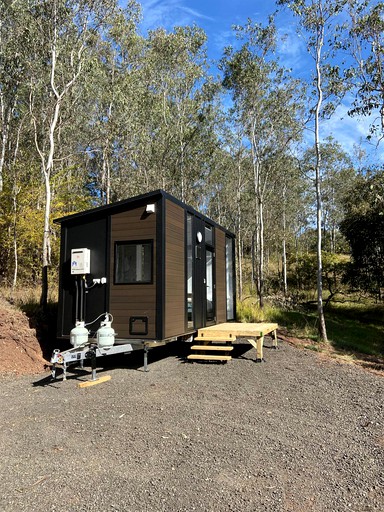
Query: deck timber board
x=223, y=339
x=220, y=348
x=233, y=330
x=206, y=357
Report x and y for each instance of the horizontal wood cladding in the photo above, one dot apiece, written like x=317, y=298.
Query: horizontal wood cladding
x=145, y=301
x=221, y=306
x=174, y=269
x=133, y=300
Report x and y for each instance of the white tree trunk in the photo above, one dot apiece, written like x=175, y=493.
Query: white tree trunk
x=3, y=141
x=285, y=287
x=320, y=310
x=15, y=192
x=47, y=160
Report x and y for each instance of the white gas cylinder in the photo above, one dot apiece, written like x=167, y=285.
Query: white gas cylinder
x=79, y=335
x=105, y=335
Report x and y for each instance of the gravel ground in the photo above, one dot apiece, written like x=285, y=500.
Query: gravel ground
x=296, y=433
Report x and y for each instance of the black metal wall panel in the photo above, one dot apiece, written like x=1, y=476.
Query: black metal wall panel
x=92, y=235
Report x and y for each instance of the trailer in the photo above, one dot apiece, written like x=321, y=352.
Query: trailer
x=157, y=266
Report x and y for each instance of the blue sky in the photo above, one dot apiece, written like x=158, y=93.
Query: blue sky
x=217, y=18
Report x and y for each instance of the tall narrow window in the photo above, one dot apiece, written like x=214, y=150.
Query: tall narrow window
x=133, y=262
x=229, y=278
x=189, y=304
x=209, y=235
x=209, y=285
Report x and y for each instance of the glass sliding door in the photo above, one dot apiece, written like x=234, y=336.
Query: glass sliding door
x=210, y=283
x=200, y=286
x=190, y=272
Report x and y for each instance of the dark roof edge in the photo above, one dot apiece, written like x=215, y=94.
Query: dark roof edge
x=126, y=202
x=111, y=206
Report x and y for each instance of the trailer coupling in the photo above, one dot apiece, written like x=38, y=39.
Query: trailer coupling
x=77, y=356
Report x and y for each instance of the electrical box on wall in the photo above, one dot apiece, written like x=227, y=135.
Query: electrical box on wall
x=80, y=261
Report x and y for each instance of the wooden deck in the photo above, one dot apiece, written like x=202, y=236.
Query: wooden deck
x=231, y=330
x=253, y=332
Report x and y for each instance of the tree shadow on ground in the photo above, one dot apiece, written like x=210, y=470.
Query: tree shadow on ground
x=356, y=337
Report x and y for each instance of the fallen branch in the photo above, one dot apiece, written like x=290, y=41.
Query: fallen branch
x=28, y=487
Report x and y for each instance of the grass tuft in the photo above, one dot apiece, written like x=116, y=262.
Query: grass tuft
x=352, y=328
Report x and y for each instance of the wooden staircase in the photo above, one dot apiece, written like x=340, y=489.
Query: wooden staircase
x=212, y=349
x=228, y=331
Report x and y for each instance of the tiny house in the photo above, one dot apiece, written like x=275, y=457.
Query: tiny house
x=159, y=267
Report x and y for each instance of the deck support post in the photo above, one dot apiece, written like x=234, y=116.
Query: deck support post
x=259, y=349
x=274, y=339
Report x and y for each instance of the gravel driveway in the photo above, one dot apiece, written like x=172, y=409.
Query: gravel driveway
x=296, y=433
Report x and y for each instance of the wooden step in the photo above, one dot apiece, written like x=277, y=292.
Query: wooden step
x=224, y=339
x=223, y=348
x=207, y=357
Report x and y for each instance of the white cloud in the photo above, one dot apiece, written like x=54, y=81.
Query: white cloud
x=351, y=132
x=168, y=14
x=159, y=13
x=291, y=50
x=196, y=14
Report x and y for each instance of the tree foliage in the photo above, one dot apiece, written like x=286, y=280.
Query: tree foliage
x=366, y=44
x=93, y=111
x=267, y=104
x=363, y=226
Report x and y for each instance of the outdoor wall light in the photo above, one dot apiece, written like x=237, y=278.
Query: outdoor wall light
x=150, y=208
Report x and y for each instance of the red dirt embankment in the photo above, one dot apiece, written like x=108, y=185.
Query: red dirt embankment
x=20, y=351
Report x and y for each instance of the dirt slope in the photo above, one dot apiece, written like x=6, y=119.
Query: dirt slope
x=20, y=351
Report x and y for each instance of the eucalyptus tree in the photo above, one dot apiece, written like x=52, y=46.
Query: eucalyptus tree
x=365, y=42
x=111, y=101
x=337, y=178
x=227, y=188
x=14, y=39
x=12, y=32
x=267, y=100
x=177, y=123
x=363, y=226
x=289, y=214
x=62, y=36
x=153, y=121
x=316, y=23
x=15, y=156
